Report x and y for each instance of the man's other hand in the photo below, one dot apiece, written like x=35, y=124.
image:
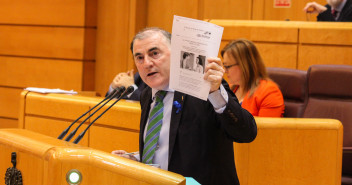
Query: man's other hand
x=123, y=79
x=313, y=7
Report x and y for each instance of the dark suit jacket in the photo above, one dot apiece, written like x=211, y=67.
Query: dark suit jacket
x=345, y=14
x=137, y=93
x=201, y=141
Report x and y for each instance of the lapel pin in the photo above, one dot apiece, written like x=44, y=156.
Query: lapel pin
x=178, y=106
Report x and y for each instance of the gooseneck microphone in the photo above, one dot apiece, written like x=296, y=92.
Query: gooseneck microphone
x=111, y=95
x=116, y=94
x=129, y=90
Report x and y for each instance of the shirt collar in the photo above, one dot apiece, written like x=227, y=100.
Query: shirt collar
x=154, y=91
x=339, y=8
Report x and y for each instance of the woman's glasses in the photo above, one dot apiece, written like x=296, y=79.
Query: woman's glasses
x=229, y=66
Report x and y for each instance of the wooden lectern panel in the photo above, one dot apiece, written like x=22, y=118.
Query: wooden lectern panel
x=50, y=114
x=61, y=106
x=125, y=114
x=113, y=139
x=45, y=160
x=53, y=127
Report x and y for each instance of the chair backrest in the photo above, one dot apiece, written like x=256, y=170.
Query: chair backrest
x=330, y=96
x=293, y=85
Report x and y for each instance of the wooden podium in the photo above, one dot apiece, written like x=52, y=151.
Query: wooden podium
x=44, y=160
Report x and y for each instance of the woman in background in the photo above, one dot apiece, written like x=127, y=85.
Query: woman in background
x=247, y=74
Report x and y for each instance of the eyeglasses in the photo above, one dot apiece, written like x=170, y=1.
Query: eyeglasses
x=229, y=66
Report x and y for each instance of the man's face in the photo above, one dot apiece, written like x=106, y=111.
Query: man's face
x=152, y=58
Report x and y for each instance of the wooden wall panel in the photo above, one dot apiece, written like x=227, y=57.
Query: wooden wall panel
x=26, y=72
x=294, y=12
x=38, y=12
x=112, y=42
x=276, y=42
x=88, y=76
x=48, y=42
x=8, y=123
x=278, y=55
x=265, y=10
x=113, y=139
x=137, y=21
x=45, y=44
x=161, y=12
x=293, y=44
x=320, y=54
x=227, y=9
x=116, y=29
x=327, y=34
x=9, y=102
x=257, y=9
x=275, y=54
x=52, y=127
x=266, y=31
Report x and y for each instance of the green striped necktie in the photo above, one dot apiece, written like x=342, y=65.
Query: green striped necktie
x=154, y=127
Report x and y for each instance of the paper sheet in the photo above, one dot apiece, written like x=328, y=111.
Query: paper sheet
x=192, y=42
x=45, y=90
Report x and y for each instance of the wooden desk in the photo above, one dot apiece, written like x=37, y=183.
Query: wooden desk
x=294, y=44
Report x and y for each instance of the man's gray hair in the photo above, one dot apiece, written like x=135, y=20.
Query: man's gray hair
x=147, y=32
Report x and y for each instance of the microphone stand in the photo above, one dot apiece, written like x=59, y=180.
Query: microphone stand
x=129, y=90
x=117, y=93
x=63, y=133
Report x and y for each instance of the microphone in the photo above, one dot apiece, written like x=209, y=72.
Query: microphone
x=129, y=90
x=111, y=95
x=116, y=94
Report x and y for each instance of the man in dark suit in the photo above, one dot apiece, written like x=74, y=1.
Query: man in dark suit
x=335, y=10
x=196, y=137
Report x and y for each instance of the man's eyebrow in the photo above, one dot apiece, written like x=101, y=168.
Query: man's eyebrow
x=137, y=54
x=152, y=49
